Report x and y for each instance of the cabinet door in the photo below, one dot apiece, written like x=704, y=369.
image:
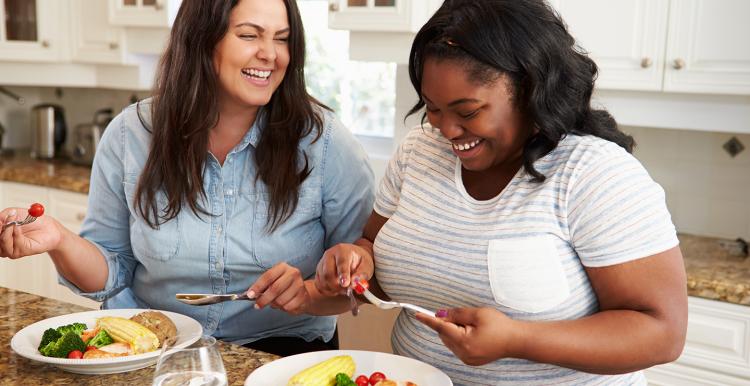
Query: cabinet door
x=94, y=39
x=708, y=49
x=378, y=15
x=143, y=13
x=624, y=37
x=33, y=30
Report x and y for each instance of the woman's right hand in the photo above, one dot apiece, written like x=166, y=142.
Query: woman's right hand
x=34, y=238
x=339, y=265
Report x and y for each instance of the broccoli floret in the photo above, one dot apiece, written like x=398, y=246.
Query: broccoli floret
x=101, y=339
x=51, y=335
x=75, y=327
x=68, y=342
x=344, y=380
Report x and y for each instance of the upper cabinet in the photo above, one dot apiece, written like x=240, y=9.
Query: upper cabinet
x=143, y=13
x=94, y=39
x=380, y=15
x=696, y=46
x=32, y=31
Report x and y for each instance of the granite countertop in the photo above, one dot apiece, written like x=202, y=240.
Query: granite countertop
x=20, y=309
x=712, y=272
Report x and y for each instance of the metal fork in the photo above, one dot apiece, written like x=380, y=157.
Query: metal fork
x=386, y=305
x=29, y=219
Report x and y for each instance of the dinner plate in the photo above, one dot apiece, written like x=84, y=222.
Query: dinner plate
x=26, y=341
x=394, y=367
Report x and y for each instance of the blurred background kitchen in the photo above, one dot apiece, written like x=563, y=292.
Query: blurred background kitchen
x=674, y=73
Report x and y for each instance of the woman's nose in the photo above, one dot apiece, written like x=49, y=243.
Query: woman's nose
x=448, y=127
x=267, y=50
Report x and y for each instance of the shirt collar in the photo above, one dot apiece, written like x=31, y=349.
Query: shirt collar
x=253, y=135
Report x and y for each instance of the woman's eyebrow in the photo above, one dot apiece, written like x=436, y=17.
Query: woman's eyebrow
x=456, y=102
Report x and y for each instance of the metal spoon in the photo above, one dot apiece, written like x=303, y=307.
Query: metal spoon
x=205, y=299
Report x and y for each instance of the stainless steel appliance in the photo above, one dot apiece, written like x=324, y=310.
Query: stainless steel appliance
x=48, y=130
x=86, y=137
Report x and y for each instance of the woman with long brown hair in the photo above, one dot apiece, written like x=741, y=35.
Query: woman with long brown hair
x=230, y=179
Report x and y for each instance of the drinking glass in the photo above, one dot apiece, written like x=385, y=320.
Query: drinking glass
x=199, y=364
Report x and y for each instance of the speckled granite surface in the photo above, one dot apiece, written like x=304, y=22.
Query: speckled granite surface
x=713, y=273
x=20, y=309
x=60, y=174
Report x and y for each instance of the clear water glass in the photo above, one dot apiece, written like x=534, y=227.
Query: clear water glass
x=199, y=364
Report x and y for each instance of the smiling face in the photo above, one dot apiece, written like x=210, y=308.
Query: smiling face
x=251, y=60
x=479, y=119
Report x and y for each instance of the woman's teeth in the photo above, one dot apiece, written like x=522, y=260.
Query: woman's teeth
x=256, y=73
x=467, y=146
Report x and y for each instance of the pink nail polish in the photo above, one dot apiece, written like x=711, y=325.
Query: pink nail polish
x=441, y=313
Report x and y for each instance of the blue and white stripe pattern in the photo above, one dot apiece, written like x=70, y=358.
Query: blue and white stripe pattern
x=597, y=207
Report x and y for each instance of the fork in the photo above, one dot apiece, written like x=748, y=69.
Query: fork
x=29, y=219
x=386, y=305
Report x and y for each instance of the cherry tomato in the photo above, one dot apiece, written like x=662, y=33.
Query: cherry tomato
x=362, y=380
x=75, y=354
x=89, y=348
x=360, y=285
x=376, y=377
x=36, y=209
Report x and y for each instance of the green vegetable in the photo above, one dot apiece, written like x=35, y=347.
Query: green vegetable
x=100, y=339
x=51, y=335
x=60, y=348
x=344, y=380
x=75, y=327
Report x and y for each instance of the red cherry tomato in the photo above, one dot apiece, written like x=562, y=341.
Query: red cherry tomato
x=360, y=285
x=75, y=354
x=362, y=380
x=376, y=377
x=36, y=209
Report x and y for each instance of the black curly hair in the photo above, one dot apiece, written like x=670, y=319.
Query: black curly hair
x=551, y=79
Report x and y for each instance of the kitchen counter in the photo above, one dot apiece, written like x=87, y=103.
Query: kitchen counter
x=20, y=309
x=712, y=272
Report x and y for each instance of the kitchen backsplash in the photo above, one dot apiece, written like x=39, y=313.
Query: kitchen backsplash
x=708, y=191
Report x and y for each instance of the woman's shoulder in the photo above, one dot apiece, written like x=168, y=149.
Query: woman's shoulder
x=588, y=148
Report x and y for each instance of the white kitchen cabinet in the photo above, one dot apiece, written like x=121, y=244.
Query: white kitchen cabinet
x=37, y=274
x=380, y=15
x=95, y=40
x=717, y=348
x=34, y=30
x=143, y=13
x=695, y=46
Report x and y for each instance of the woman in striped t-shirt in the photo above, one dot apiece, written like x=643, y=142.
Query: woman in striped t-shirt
x=521, y=212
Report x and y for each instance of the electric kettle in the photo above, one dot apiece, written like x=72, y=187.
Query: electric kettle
x=48, y=130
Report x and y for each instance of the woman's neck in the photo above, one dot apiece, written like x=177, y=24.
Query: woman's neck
x=233, y=124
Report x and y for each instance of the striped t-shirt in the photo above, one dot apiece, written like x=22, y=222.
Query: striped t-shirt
x=522, y=252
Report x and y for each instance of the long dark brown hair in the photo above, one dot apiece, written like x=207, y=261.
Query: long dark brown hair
x=551, y=78
x=184, y=109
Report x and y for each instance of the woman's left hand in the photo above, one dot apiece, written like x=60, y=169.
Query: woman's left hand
x=283, y=288
x=476, y=335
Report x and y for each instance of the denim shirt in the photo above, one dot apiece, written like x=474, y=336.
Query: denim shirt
x=227, y=251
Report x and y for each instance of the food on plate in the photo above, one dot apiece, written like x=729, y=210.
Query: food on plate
x=324, y=373
x=388, y=382
x=159, y=324
x=111, y=337
x=375, y=379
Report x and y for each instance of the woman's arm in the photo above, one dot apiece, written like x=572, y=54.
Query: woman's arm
x=79, y=261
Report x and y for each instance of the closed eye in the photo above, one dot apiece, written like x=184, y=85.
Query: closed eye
x=469, y=115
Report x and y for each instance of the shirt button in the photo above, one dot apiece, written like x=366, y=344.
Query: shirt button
x=218, y=265
x=218, y=230
x=230, y=192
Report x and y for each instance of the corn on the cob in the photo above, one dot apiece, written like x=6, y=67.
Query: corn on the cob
x=324, y=373
x=140, y=338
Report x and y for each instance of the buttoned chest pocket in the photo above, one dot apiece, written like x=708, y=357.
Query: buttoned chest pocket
x=526, y=273
x=159, y=244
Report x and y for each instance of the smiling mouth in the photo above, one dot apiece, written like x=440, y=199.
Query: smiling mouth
x=467, y=146
x=256, y=74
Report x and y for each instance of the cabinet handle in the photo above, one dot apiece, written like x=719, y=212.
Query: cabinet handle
x=45, y=43
x=646, y=62
x=80, y=216
x=333, y=6
x=678, y=64
x=113, y=46
x=158, y=6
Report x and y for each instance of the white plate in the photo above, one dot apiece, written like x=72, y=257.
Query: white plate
x=26, y=341
x=394, y=367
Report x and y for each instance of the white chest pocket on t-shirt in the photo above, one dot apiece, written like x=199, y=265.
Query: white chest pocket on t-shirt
x=526, y=273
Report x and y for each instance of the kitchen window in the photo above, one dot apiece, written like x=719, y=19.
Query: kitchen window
x=363, y=94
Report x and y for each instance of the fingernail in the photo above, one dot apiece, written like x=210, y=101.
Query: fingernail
x=251, y=294
x=256, y=306
x=441, y=313
x=12, y=213
x=342, y=281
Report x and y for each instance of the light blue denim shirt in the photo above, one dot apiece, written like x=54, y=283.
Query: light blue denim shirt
x=226, y=252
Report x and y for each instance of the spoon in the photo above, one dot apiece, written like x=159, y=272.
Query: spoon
x=205, y=299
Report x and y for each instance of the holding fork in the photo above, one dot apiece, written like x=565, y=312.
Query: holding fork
x=36, y=210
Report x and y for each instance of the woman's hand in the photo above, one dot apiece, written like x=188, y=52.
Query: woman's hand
x=476, y=335
x=34, y=238
x=283, y=288
x=340, y=264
